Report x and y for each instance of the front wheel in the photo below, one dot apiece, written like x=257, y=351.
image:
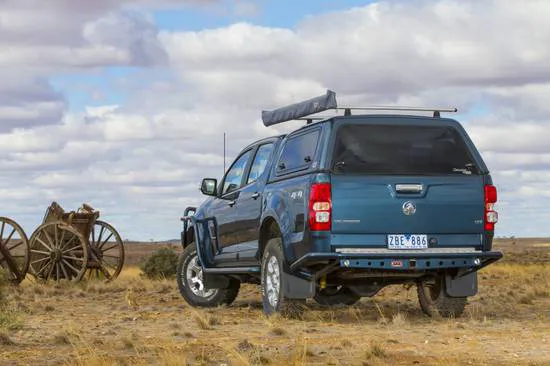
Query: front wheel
x=191, y=283
x=434, y=300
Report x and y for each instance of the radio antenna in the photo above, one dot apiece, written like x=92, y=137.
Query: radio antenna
x=223, y=154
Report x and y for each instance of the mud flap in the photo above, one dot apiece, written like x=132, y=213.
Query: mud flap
x=214, y=281
x=461, y=286
x=297, y=288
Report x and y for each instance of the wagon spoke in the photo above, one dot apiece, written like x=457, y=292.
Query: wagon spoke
x=56, y=243
x=73, y=258
x=61, y=243
x=64, y=271
x=106, y=273
x=43, y=243
x=100, y=234
x=109, y=248
x=70, y=266
x=9, y=237
x=57, y=271
x=106, y=240
x=40, y=252
x=65, y=250
x=44, y=266
x=50, y=272
x=40, y=260
x=71, y=249
x=65, y=245
x=93, y=236
x=49, y=238
x=111, y=256
x=16, y=245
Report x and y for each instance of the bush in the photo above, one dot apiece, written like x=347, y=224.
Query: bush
x=161, y=264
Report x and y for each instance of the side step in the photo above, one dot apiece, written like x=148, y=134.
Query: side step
x=232, y=270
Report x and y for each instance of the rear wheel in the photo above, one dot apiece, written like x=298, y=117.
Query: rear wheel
x=191, y=282
x=434, y=300
x=336, y=295
x=272, y=285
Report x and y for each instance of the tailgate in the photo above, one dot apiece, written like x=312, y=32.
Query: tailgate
x=376, y=205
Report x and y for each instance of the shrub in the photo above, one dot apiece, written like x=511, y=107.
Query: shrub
x=161, y=264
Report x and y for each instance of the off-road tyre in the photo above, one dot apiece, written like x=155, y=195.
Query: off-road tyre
x=273, y=257
x=212, y=298
x=434, y=300
x=332, y=296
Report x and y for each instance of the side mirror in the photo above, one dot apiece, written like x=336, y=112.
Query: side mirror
x=208, y=186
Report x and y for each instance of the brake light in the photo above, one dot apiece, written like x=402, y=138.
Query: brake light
x=491, y=216
x=320, y=207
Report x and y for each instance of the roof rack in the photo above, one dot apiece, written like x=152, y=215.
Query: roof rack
x=304, y=110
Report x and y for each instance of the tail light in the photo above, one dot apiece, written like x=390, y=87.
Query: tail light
x=491, y=216
x=320, y=207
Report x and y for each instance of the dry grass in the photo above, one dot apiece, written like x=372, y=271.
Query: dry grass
x=5, y=340
x=204, y=320
x=92, y=323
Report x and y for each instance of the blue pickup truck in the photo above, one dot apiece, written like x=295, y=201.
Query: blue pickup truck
x=341, y=208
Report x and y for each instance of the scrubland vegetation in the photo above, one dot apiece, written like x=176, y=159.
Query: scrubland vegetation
x=138, y=321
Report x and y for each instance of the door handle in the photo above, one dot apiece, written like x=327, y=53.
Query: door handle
x=409, y=188
x=255, y=195
x=231, y=203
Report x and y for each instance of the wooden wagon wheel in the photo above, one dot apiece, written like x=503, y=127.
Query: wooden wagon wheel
x=58, y=251
x=14, y=250
x=106, y=252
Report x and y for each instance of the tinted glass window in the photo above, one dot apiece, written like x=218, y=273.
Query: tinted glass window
x=234, y=176
x=298, y=152
x=401, y=150
x=260, y=162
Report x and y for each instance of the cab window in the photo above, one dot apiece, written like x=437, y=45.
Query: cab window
x=260, y=162
x=234, y=177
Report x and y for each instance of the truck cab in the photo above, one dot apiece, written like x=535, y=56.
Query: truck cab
x=340, y=208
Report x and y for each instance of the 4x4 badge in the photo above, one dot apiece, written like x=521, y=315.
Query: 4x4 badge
x=409, y=208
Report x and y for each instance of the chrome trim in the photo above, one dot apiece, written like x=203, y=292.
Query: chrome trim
x=409, y=187
x=406, y=251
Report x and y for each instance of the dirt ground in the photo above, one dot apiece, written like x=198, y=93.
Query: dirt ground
x=138, y=321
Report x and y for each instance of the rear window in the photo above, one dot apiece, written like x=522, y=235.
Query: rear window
x=401, y=150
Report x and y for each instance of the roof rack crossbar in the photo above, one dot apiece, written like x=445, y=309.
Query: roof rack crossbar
x=304, y=110
x=391, y=108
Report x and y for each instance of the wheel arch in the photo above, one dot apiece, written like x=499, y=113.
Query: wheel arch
x=269, y=229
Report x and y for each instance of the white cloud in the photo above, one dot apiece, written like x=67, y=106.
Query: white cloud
x=141, y=160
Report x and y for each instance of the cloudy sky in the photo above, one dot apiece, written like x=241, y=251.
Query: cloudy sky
x=123, y=103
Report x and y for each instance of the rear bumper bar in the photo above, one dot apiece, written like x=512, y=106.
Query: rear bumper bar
x=473, y=260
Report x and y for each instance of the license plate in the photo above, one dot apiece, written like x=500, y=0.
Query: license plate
x=415, y=241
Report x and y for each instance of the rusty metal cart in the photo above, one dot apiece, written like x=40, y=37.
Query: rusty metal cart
x=14, y=250
x=69, y=245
